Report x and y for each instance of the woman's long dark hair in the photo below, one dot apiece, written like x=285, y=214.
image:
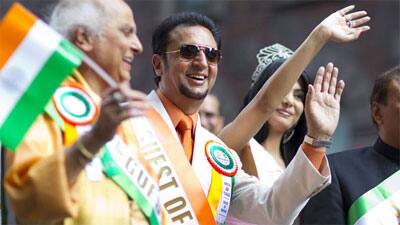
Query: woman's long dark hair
x=292, y=138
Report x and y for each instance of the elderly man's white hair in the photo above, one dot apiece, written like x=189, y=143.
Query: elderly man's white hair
x=71, y=14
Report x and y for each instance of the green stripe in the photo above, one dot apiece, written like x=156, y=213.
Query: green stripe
x=370, y=200
x=114, y=172
x=233, y=185
x=51, y=110
x=59, y=65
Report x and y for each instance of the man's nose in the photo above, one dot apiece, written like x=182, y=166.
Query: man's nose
x=136, y=45
x=201, y=59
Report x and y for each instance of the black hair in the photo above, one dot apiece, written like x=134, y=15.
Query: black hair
x=381, y=87
x=160, y=37
x=294, y=136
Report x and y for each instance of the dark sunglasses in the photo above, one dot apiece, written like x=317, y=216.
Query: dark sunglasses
x=213, y=55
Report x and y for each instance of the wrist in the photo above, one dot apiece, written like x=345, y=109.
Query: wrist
x=318, y=142
x=91, y=142
x=98, y=135
x=318, y=134
x=320, y=34
x=84, y=152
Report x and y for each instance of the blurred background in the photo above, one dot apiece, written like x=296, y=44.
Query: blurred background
x=248, y=25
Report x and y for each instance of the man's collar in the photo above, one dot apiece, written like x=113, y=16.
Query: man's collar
x=387, y=150
x=174, y=112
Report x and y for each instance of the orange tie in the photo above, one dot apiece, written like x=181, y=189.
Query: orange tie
x=184, y=129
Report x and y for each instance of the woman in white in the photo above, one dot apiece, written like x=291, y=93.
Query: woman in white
x=281, y=136
x=276, y=143
x=273, y=108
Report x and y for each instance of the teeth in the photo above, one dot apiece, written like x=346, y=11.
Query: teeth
x=127, y=60
x=197, y=77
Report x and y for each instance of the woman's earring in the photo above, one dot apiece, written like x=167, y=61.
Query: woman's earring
x=288, y=135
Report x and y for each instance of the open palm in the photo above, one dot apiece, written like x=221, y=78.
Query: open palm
x=343, y=27
x=323, y=103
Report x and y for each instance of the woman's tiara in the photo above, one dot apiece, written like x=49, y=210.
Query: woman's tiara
x=268, y=55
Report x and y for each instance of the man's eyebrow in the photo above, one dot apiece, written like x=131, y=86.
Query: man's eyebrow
x=129, y=27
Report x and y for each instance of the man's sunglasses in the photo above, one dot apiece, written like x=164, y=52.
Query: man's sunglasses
x=213, y=55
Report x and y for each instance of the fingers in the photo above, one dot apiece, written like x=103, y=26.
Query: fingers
x=134, y=95
x=332, y=85
x=124, y=94
x=362, y=29
x=132, y=109
x=355, y=23
x=310, y=93
x=108, y=99
x=112, y=96
x=123, y=102
x=346, y=10
x=137, y=103
x=355, y=15
x=339, y=90
x=358, y=22
x=327, y=77
x=118, y=96
x=318, y=78
x=353, y=19
x=135, y=107
x=357, y=32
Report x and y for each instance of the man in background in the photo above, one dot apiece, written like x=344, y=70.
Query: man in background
x=210, y=114
x=366, y=182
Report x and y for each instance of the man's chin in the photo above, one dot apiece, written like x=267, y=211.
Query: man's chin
x=124, y=76
x=199, y=95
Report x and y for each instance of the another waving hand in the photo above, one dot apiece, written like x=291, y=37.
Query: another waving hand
x=323, y=102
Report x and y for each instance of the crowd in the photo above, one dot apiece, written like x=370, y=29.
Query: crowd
x=167, y=158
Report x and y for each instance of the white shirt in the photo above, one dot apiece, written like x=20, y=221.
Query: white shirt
x=264, y=203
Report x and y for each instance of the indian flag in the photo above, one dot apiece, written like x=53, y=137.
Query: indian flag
x=34, y=60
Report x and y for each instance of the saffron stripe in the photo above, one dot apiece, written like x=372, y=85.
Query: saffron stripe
x=58, y=67
x=13, y=29
x=187, y=177
x=24, y=65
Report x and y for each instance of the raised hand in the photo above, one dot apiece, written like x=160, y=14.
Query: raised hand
x=343, y=26
x=118, y=105
x=323, y=103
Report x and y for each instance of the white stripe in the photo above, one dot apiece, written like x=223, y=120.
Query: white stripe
x=24, y=64
x=383, y=214
x=225, y=200
x=121, y=153
x=200, y=164
x=148, y=142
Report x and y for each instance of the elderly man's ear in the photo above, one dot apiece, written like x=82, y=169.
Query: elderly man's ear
x=82, y=38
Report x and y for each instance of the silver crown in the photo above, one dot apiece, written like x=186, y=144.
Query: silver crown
x=268, y=55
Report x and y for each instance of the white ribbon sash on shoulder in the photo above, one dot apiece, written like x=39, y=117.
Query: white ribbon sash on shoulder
x=380, y=205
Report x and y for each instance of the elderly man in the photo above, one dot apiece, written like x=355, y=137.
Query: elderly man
x=366, y=182
x=200, y=178
x=56, y=177
x=210, y=114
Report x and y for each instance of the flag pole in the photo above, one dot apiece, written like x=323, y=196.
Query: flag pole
x=103, y=74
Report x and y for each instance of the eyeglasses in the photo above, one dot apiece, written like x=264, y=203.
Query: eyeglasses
x=213, y=55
